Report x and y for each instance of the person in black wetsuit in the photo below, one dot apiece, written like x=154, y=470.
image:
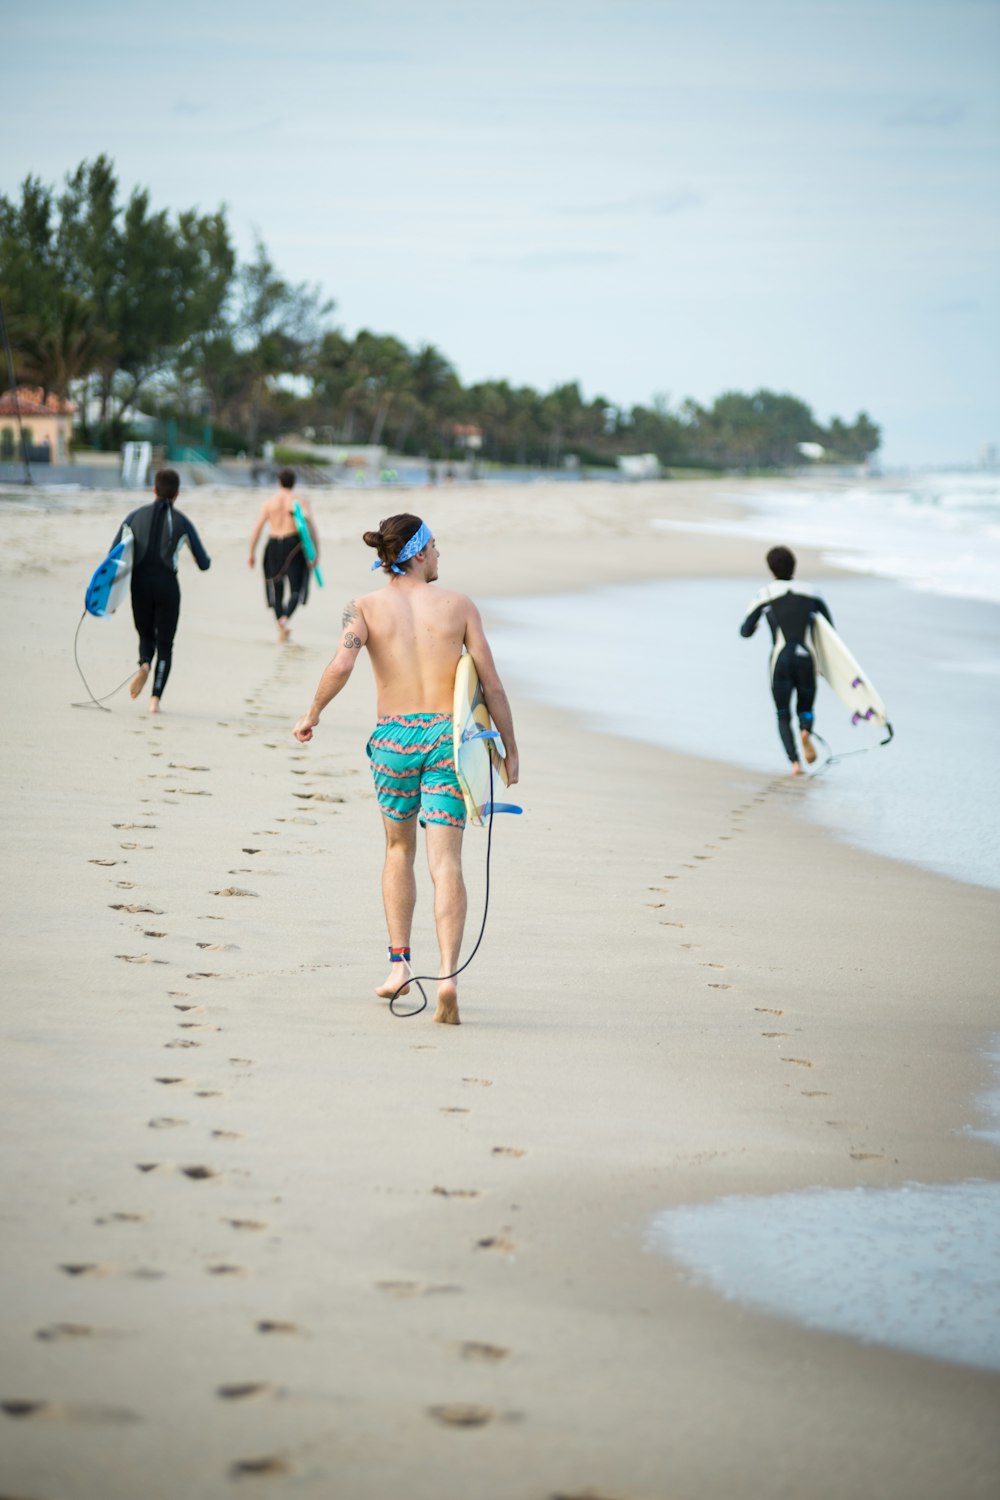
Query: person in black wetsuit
x=158, y=533
x=789, y=608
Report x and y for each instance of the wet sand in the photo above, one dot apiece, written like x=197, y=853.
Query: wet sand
x=257, y=1233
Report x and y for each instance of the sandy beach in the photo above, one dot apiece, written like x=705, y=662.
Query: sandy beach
x=259, y=1234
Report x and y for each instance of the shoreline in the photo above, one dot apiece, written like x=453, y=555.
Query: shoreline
x=422, y=1248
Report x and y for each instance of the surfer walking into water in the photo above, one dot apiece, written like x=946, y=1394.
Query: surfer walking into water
x=415, y=634
x=284, y=556
x=789, y=608
x=158, y=533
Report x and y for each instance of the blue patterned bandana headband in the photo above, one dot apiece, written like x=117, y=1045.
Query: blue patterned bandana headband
x=418, y=541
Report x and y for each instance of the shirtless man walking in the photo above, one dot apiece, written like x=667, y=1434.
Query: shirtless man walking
x=284, y=559
x=415, y=634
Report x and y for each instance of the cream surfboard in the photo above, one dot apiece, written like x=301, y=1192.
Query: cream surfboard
x=844, y=674
x=478, y=746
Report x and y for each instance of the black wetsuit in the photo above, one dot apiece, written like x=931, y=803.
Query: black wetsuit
x=285, y=561
x=789, y=608
x=158, y=532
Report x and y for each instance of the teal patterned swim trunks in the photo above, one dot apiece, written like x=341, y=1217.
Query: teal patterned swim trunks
x=413, y=764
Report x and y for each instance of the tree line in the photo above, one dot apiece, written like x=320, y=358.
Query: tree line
x=125, y=308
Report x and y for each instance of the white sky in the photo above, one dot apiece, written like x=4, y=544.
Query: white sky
x=677, y=196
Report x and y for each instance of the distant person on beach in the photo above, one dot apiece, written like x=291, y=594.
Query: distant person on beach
x=789, y=608
x=284, y=558
x=415, y=634
x=158, y=534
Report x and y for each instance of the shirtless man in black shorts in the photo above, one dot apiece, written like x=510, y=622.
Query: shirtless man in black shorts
x=789, y=608
x=284, y=559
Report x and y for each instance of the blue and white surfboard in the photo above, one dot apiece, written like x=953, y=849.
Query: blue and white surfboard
x=110, y=582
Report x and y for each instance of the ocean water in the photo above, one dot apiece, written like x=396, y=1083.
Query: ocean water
x=936, y=532
x=916, y=1268
x=664, y=662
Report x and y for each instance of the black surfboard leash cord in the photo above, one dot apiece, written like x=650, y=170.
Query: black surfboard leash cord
x=94, y=702
x=404, y=1015
x=832, y=757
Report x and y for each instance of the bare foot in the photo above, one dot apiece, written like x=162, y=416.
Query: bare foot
x=447, y=1004
x=284, y=634
x=808, y=748
x=139, y=680
x=796, y=768
x=154, y=705
x=398, y=975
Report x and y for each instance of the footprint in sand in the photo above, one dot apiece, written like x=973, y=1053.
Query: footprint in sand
x=139, y=958
x=166, y=1122
x=175, y=765
x=867, y=1156
x=496, y=1242
x=583, y=1495
x=454, y=1109
x=85, y=1268
x=799, y=1062
x=234, y=890
x=269, y=1466
x=225, y=1269
x=183, y=1041
x=208, y=1093
x=126, y=885
x=245, y=1391
x=486, y=1083
x=488, y=1353
x=146, y=932
x=153, y=1166
x=133, y=907
x=508, y=1151
x=170, y=1082
x=218, y=947
x=59, y=1331
x=135, y=846
x=460, y=1414
x=122, y=1218
x=107, y=861
x=227, y=1135
x=691, y=945
x=772, y=1034
x=816, y=1094
x=717, y=986
x=706, y=964
x=133, y=827
x=246, y=1223
x=276, y=1325
x=443, y=1192
x=205, y=974
x=768, y=1010
x=83, y=1411
x=197, y=1026
x=675, y=924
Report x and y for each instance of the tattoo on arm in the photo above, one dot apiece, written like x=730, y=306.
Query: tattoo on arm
x=352, y=642
x=350, y=612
